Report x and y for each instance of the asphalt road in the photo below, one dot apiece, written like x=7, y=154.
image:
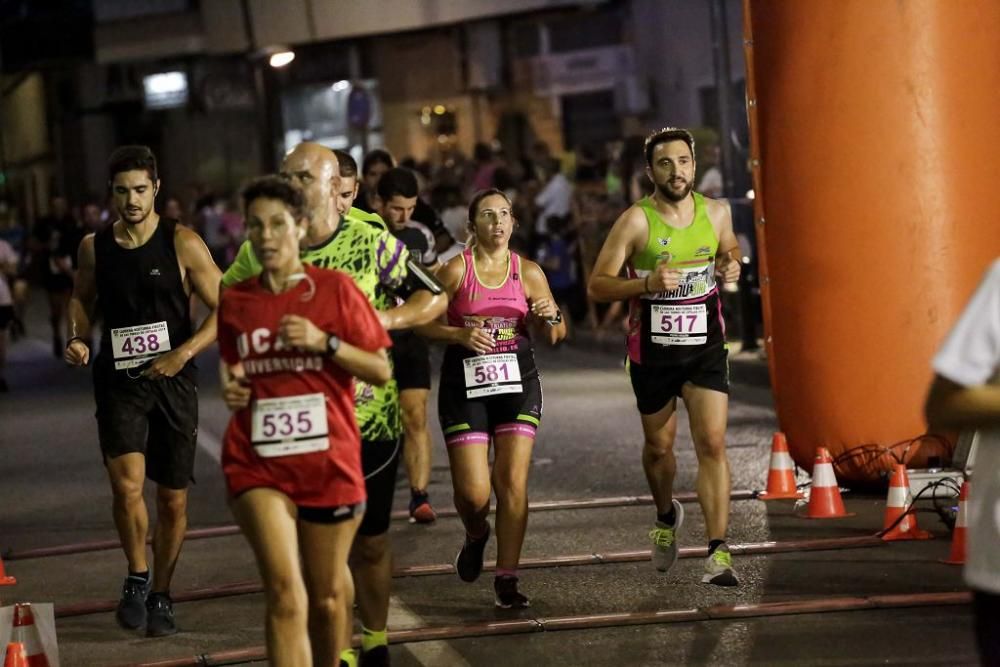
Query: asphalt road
x=53, y=491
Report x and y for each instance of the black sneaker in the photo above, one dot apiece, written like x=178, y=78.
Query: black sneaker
x=377, y=657
x=469, y=561
x=131, y=612
x=160, y=612
x=508, y=597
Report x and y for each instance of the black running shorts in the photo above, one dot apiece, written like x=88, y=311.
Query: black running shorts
x=329, y=515
x=156, y=418
x=411, y=360
x=379, y=462
x=655, y=386
x=474, y=420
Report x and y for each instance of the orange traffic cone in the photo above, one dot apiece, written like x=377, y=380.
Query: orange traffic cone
x=824, y=497
x=26, y=633
x=957, y=556
x=15, y=656
x=5, y=579
x=895, y=506
x=781, y=475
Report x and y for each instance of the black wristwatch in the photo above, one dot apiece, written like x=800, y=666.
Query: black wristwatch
x=555, y=320
x=332, y=344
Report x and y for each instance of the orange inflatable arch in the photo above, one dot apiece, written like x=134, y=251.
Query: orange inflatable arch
x=876, y=160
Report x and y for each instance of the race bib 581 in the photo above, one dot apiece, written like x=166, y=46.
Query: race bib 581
x=492, y=374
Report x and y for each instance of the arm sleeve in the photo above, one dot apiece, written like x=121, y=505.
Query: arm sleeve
x=357, y=322
x=227, y=334
x=970, y=354
x=430, y=255
x=243, y=267
x=390, y=261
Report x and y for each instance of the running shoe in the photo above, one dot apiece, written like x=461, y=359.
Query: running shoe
x=719, y=568
x=469, y=561
x=420, y=508
x=131, y=612
x=160, y=611
x=508, y=597
x=664, y=540
x=377, y=657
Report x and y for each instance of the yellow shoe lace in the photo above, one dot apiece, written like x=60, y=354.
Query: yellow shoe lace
x=723, y=558
x=662, y=537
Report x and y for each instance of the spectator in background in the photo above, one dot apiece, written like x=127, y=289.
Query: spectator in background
x=556, y=254
x=93, y=217
x=710, y=184
x=966, y=394
x=483, y=167
x=12, y=231
x=376, y=163
x=173, y=209
x=447, y=199
x=53, y=264
x=555, y=198
x=213, y=229
x=232, y=227
x=8, y=271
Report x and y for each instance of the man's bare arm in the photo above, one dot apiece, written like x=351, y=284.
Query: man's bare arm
x=605, y=283
x=205, y=278
x=951, y=406
x=81, y=305
x=727, y=257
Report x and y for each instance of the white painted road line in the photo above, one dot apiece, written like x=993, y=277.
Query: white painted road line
x=430, y=654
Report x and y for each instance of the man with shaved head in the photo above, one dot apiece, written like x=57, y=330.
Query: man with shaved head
x=381, y=267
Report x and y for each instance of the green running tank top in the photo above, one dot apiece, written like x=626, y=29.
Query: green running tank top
x=670, y=328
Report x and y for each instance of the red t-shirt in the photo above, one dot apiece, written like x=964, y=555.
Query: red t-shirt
x=279, y=441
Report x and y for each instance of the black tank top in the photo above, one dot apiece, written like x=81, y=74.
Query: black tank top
x=136, y=287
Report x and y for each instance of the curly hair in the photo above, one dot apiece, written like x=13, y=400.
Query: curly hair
x=275, y=187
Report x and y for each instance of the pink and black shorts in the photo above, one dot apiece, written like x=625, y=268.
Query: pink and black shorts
x=474, y=421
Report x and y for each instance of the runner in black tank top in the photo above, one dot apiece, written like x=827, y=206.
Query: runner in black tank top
x=395, y=201
x=137, y=289
x=139, y=273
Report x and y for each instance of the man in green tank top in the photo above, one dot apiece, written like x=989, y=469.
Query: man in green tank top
x=381, y=268
x=675, y=246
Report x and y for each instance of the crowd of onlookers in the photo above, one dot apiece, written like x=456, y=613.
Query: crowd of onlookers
x=564, y=204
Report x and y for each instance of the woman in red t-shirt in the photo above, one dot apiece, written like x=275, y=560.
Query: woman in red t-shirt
x=293, y=339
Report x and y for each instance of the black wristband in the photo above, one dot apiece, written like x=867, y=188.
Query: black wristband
x=555, y=320
x=645, y=284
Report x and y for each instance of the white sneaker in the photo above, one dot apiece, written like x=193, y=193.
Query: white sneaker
x=664, y=538
x=719, y=568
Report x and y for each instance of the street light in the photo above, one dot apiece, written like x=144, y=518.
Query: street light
x=281, y=58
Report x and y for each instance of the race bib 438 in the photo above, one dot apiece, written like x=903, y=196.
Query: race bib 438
x=134, y=346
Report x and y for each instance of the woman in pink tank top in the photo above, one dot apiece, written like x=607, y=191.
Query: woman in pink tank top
x=490, y=390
